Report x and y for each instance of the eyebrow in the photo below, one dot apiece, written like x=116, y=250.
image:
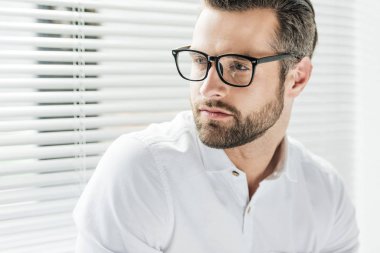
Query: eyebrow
x=244, y=53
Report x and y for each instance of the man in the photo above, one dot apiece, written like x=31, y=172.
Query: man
x=224, y=178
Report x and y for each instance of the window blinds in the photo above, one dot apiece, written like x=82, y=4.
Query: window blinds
x=324, y=114
x=74, y=75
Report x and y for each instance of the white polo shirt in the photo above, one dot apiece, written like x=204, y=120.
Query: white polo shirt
x=163, y=190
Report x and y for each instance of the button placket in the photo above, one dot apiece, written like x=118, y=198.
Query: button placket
x=240, y=186
x=249, y=216
x=248, y=219
x=248, y=209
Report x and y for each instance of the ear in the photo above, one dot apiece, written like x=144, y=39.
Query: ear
x=300, y=76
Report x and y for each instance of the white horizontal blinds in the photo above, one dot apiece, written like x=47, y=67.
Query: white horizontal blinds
x=324, y=114
x=31, y=184
x=74, y=75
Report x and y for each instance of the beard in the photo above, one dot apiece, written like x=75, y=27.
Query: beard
x=241, y=130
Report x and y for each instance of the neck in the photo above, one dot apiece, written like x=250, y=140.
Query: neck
x=260, y=157
x=257, y=159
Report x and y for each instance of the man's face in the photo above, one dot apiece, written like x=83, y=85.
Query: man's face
x=227, y=116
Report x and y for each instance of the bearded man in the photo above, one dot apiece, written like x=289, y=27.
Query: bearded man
x=225, y=178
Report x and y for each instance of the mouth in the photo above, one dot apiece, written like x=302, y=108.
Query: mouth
x=214, y=113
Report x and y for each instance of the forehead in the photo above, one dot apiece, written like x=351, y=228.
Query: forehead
x=250, y=32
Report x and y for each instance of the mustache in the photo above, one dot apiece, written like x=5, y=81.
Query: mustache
x=221, y=105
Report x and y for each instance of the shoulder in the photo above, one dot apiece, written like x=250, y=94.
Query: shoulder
x=135, y=154
x=332, y=208
x=180, y=128
x=139, y=143
x=318, y=179
x=130, y=181
x=312, y=168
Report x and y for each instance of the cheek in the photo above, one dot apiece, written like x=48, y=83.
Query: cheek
x=194, y=92
x=247, y=100
x=267, y=80
x=257, y=95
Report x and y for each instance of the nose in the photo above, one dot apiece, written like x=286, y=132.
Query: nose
x=212, y=86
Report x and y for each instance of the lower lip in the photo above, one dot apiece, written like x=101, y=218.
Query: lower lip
x=215, y=115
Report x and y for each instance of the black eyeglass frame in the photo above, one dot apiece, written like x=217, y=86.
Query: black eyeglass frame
x=210, y=59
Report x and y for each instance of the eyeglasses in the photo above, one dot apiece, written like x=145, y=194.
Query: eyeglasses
x=233, y=69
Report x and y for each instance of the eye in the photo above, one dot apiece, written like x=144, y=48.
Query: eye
x=239, y=66
x=198, y=59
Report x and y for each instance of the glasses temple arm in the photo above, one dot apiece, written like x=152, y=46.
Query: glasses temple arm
x=276, y=58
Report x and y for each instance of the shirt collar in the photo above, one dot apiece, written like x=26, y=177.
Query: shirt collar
x=216, y=160
x=284, y=165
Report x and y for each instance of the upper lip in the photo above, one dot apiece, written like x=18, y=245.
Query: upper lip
x=214, y=110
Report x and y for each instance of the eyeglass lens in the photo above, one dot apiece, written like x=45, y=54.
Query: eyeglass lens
x=233, y=69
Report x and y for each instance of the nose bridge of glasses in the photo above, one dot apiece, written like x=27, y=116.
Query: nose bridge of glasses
x=212, y=58
x=218, y=64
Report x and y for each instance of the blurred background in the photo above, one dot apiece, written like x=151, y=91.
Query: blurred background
x=76, y=74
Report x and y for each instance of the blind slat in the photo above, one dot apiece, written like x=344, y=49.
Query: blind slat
x=36, y=209
x=40, y=193
x=32, y=152
x=36, y=237
x=154, y=105
x=105, y=43
x=66, y=137
x=137, y=5
x=92, y=96
x=123, y=56
x=94, y=83
x=14, y=182
x=124, y=30
x=41, y=166
x=63, y=246
x=70, y=70
x=29, y=224
x=126, y=16
x=89, y=122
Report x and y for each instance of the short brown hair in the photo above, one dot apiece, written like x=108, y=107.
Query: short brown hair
x=297, y=31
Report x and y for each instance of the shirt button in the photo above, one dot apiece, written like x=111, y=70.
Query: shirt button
x=249, y=209
x=235, y=173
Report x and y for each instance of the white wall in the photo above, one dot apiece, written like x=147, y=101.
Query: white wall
x=367, y=192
